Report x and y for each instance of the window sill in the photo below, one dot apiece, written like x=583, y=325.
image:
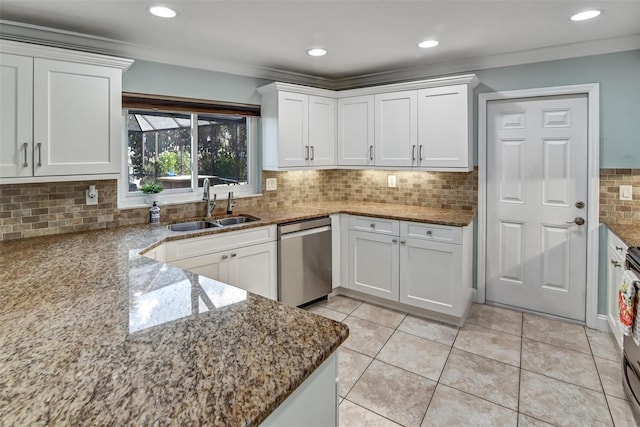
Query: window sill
x=139, y=200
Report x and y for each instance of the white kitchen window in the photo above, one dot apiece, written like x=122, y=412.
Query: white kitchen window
x=179, y=150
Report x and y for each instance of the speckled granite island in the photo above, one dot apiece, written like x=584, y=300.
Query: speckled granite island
x=93, y=333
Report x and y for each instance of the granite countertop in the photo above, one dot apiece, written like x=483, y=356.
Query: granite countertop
x=94, y=333
x=630, y=234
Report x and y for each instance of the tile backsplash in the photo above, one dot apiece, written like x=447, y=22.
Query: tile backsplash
x=613, y=210
x=39, y=209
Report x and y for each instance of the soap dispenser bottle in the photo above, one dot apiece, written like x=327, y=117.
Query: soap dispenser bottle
x=154, y=214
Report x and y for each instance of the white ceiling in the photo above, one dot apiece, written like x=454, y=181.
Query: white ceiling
x=365, y=38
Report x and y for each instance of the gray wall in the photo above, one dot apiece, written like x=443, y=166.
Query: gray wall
x=619, y=78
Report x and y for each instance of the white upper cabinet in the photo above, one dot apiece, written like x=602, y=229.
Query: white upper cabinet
x=16, y=116
x=61, y=112
x=396, y=135
x=298, y=128
x=444, y=127
x=356, y=131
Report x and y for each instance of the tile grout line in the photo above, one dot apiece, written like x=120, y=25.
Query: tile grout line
x=600, y=379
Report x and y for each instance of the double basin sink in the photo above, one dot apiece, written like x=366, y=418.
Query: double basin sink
x=214, y=223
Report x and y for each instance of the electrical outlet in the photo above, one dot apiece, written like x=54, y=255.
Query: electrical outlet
x=391, y=181
x=91, y=198
x=626, y=192
x=272, y=184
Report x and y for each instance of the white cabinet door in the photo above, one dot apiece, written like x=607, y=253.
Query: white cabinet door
x=16, y=116
x=444, y=127
x=355, y=131
x=214, y=266
x=77, y=117
x=396, y=132
x=615, y=265
x=431, y=275
x=253, y=268
x=373, y=264
x=322, y=131
x=293, y=129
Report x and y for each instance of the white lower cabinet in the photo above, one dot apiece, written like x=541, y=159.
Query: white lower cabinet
x=374, y=264
x=421, y=265
x=246, y=259
x=616, y=251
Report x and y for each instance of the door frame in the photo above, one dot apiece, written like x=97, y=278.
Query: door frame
x=592, y=90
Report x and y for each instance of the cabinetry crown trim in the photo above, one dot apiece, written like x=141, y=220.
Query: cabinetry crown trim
x=47, y=52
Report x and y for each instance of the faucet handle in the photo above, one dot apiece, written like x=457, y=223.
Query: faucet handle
x=215, y=196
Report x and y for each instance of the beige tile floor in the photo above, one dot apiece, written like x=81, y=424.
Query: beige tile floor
x=503, y=368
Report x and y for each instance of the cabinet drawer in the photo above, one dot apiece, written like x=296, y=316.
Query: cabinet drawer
x=376, y=225
x=616, y=244
x=195, y=246
x=438, y=233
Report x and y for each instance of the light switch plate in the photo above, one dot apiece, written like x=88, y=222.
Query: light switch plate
x=391, y=181
x=626, y=192
x=272, y=184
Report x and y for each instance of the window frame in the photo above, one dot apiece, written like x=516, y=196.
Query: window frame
x=137, y=199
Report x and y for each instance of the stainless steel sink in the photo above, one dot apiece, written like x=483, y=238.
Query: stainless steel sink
x=215, y=223
x=241, y=219
x=193, y=225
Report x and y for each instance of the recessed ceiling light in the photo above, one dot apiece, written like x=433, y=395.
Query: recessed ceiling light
x=318, y=51
x=428, y=43
x=587, y=14
x=162, y=11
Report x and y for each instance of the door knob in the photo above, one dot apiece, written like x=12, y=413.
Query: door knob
x=579, y=205
x=579, y=221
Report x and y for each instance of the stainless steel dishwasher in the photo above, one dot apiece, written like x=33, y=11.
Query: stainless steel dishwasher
x=304, y=261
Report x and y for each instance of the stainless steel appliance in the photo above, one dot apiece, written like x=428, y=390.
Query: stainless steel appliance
x=304, y=261
x=631, y=359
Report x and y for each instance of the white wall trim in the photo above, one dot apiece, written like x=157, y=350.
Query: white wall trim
x=592, y=90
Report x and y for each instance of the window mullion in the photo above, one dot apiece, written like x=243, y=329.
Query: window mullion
x=194, y=151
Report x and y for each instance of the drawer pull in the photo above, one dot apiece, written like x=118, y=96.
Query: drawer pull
x=233, y=255
x=224, y=257
x=372, y=225
x=619, y=249
x=403, y=242
x=429, y=232
x=394, y=241
x=615, y=263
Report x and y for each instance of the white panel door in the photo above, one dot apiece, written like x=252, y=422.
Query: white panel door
x=293, y=129
x=536, y=188
x=355, y=131
x=253, y=268
x=16, y=116
x=396, y=131
x=374, y=264
x=77, y=117
x=322, y=131
x=431, y=275
x=443, y=127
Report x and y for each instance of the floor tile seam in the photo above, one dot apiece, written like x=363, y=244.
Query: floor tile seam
x=565, y=381
x=606, y=358
x=359, y=376
x=492, y=329
x=559, y=346
x=377, y=323
x=537, y=419
x=478, y=397
x=602, y=385
x=409, y=371
x=520, y=367
x=426, y=339
x=333, y=311
x=371, y=410
x=487, y=357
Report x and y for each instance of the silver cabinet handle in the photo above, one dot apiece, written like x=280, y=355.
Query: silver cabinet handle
x=371, y=152
x=394, y=241
x=420, y=152
x=39, y=153
x=429, y=232
x=413, y=153
x=618, y=248
x=306, y=152
x=615, y=263
x=372, y=225
x=403, y=242
x=313, y=152
x=224, y=257
x=233, y=255
x=26, y=148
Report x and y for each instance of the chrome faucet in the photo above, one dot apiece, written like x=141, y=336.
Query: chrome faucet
x=206, y=196
x=230, y=203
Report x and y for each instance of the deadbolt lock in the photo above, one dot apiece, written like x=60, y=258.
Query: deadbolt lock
x=579, y=205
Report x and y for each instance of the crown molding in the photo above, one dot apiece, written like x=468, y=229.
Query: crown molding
x=76, y=41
